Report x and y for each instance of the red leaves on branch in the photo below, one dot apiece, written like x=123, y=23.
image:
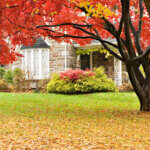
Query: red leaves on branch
x=24, y=20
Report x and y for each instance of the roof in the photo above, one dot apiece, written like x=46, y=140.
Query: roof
x=40, y=43
x=94, y=43
x=109, y=40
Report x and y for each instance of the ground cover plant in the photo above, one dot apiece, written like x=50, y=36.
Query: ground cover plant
x=73, y=122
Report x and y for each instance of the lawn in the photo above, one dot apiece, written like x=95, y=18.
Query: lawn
x=110, y=121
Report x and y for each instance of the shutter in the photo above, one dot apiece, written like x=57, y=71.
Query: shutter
x=29, y=63
x=45, y=63
x=23, y=60
x=36, y=63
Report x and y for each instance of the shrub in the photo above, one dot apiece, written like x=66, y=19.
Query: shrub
x=18, y=77
x=18, y=73
x=74, y=75
x=2, y=72
x=105, y=84
x=100, y=72
x=41, y=86
x=3, y=86
x=79, y=81
x=8, y=76
x=86, y=85
x=126, y=87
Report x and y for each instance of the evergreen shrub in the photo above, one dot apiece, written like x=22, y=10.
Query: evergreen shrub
x=2, y=72
x=3, y=85
x=79, y=81
x=8, y=76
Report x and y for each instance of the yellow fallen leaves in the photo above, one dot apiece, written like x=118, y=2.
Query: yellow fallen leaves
x=121, y=131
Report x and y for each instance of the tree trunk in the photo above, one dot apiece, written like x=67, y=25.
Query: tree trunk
x=144, y=98
x=143, y=92
x=145, y=105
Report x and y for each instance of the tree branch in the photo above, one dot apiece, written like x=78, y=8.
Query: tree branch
x=10, y=6
x=147, y=4
x=63, y=24
x=138, y=58
x=120, y=27
x=125, y=13
x=109, y=49
x=110, y=27
x=140, y=17
x=111, y=52
x=71, y=36
x=136, y=38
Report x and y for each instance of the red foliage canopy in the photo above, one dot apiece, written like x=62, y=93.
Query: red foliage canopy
x=65, y=20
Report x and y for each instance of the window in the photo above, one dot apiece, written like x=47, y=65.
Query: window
x=35, y=63
x=85, y=62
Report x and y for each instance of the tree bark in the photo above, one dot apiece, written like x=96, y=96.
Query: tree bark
x=147, y=4
x=145, y=106
x=142, y=90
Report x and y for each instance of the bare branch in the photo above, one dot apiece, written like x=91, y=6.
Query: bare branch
x=63, y=24
x=120, y=27
x=126, y=14
x=110, y=27
x=147, y=4
x=10, y=6
x=109, y=49
x=136, y=38
x=140, y=17
x=107, y=42
x=71, y=36
x=138, y=58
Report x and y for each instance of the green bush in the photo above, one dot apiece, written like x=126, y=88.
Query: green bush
x=3, y=85
x=2, y=72
x=18, y=73
x=8, y=76
x=18, y=77
x=87, y=84
x=100, y=72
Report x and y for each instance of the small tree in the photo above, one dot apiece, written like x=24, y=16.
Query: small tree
x=2, y=72
x=18, y=77
x=9, y=76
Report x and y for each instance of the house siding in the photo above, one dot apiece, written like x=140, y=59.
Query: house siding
x=58, y=56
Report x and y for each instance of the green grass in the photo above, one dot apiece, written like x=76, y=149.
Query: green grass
x=27, y=104
x=88, y=121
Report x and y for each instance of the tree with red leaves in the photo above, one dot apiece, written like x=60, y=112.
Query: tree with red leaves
x=82, y=21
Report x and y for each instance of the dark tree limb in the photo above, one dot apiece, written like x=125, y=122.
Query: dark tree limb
x=120, y=27
x=136, y=37
x=140, y=17
x=140, y=57
x=125, y=13
x=64, y=24
x=147, y=4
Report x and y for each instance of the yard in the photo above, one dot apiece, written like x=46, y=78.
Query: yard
x=73, y=122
